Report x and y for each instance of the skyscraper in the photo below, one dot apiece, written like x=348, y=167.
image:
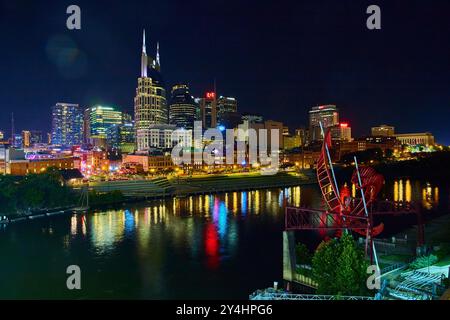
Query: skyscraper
x=227, y=115
x=342, y=132
x=30, y=138
x=182, y=107
x=328, y=115
x=226, y=105
x=150, y=104
x=98, y=119
x=208, y=109
x=67, y=124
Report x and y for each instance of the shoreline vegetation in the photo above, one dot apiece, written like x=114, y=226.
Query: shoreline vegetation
x=433, y=167
x=41, y=194
x=46, y=192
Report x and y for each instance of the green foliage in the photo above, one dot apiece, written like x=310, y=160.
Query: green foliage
x=446, y=282
x=324, y=266
x=96, y=198
x=424, y=261
x=302, y=254
x=20, y=195
x=443, y=251
x=339, y=267
x=351, y=275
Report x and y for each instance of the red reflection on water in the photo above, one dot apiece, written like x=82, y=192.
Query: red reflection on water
x=211, y=246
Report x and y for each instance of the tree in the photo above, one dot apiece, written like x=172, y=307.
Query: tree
x=324, y=266
x=339, y=267
x=352, y=268
x=302, y=254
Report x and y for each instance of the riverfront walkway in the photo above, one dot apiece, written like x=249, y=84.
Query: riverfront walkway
x=205, y=184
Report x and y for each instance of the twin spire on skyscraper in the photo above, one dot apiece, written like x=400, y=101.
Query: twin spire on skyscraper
x=144, y=59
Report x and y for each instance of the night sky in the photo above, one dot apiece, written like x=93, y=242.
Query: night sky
x=277, y=57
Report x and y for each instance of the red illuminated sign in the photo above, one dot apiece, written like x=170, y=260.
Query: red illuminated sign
x=344, y=125
x=210, y=95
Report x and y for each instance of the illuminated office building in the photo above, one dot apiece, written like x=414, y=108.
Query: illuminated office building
x=328, y=115
x=341, y=132
x=98, y=119
x=383, y=131
x=17, y=141
x=30, y=138
x=150, y=104
x=226, y=104
x=182, y=110
x=2, y=136
x=208, y=109
x=67, y=124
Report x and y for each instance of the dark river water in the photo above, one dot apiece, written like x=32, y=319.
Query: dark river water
x=221, y=246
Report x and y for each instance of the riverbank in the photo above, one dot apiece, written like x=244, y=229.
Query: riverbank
x=430, y=167
x=110, y=194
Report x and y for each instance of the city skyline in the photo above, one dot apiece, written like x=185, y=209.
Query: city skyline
x=356, y=79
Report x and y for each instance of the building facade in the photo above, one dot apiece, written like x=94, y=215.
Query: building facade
x=423, y=138
x=182, y=110
x=383, y=130
x=341, y=132
x=97, y=121
x=30, y=138
x=227, y=111
x=67, y=124
x=150, y=104
x=328, y=115
x=208, y=110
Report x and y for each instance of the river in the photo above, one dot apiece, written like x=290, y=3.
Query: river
x=222, y=246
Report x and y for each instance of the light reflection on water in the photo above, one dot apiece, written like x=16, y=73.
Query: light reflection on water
x=208, y=246
x=108, y=228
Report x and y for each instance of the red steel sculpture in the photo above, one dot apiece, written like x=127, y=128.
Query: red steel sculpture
x=342, y=211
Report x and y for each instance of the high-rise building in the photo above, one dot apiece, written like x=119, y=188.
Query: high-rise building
x=182, y=110
x=328, y=115
x=383, y=131
x=67, y=124
x=208, y=109
x=122, y=136
x=302, y=133
x=150, y=104
x=118, y=134
x=98, y=119
x=17, y=141
x=30, y=138
x=342, y=132
x=2, y=136
x=226, y=109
